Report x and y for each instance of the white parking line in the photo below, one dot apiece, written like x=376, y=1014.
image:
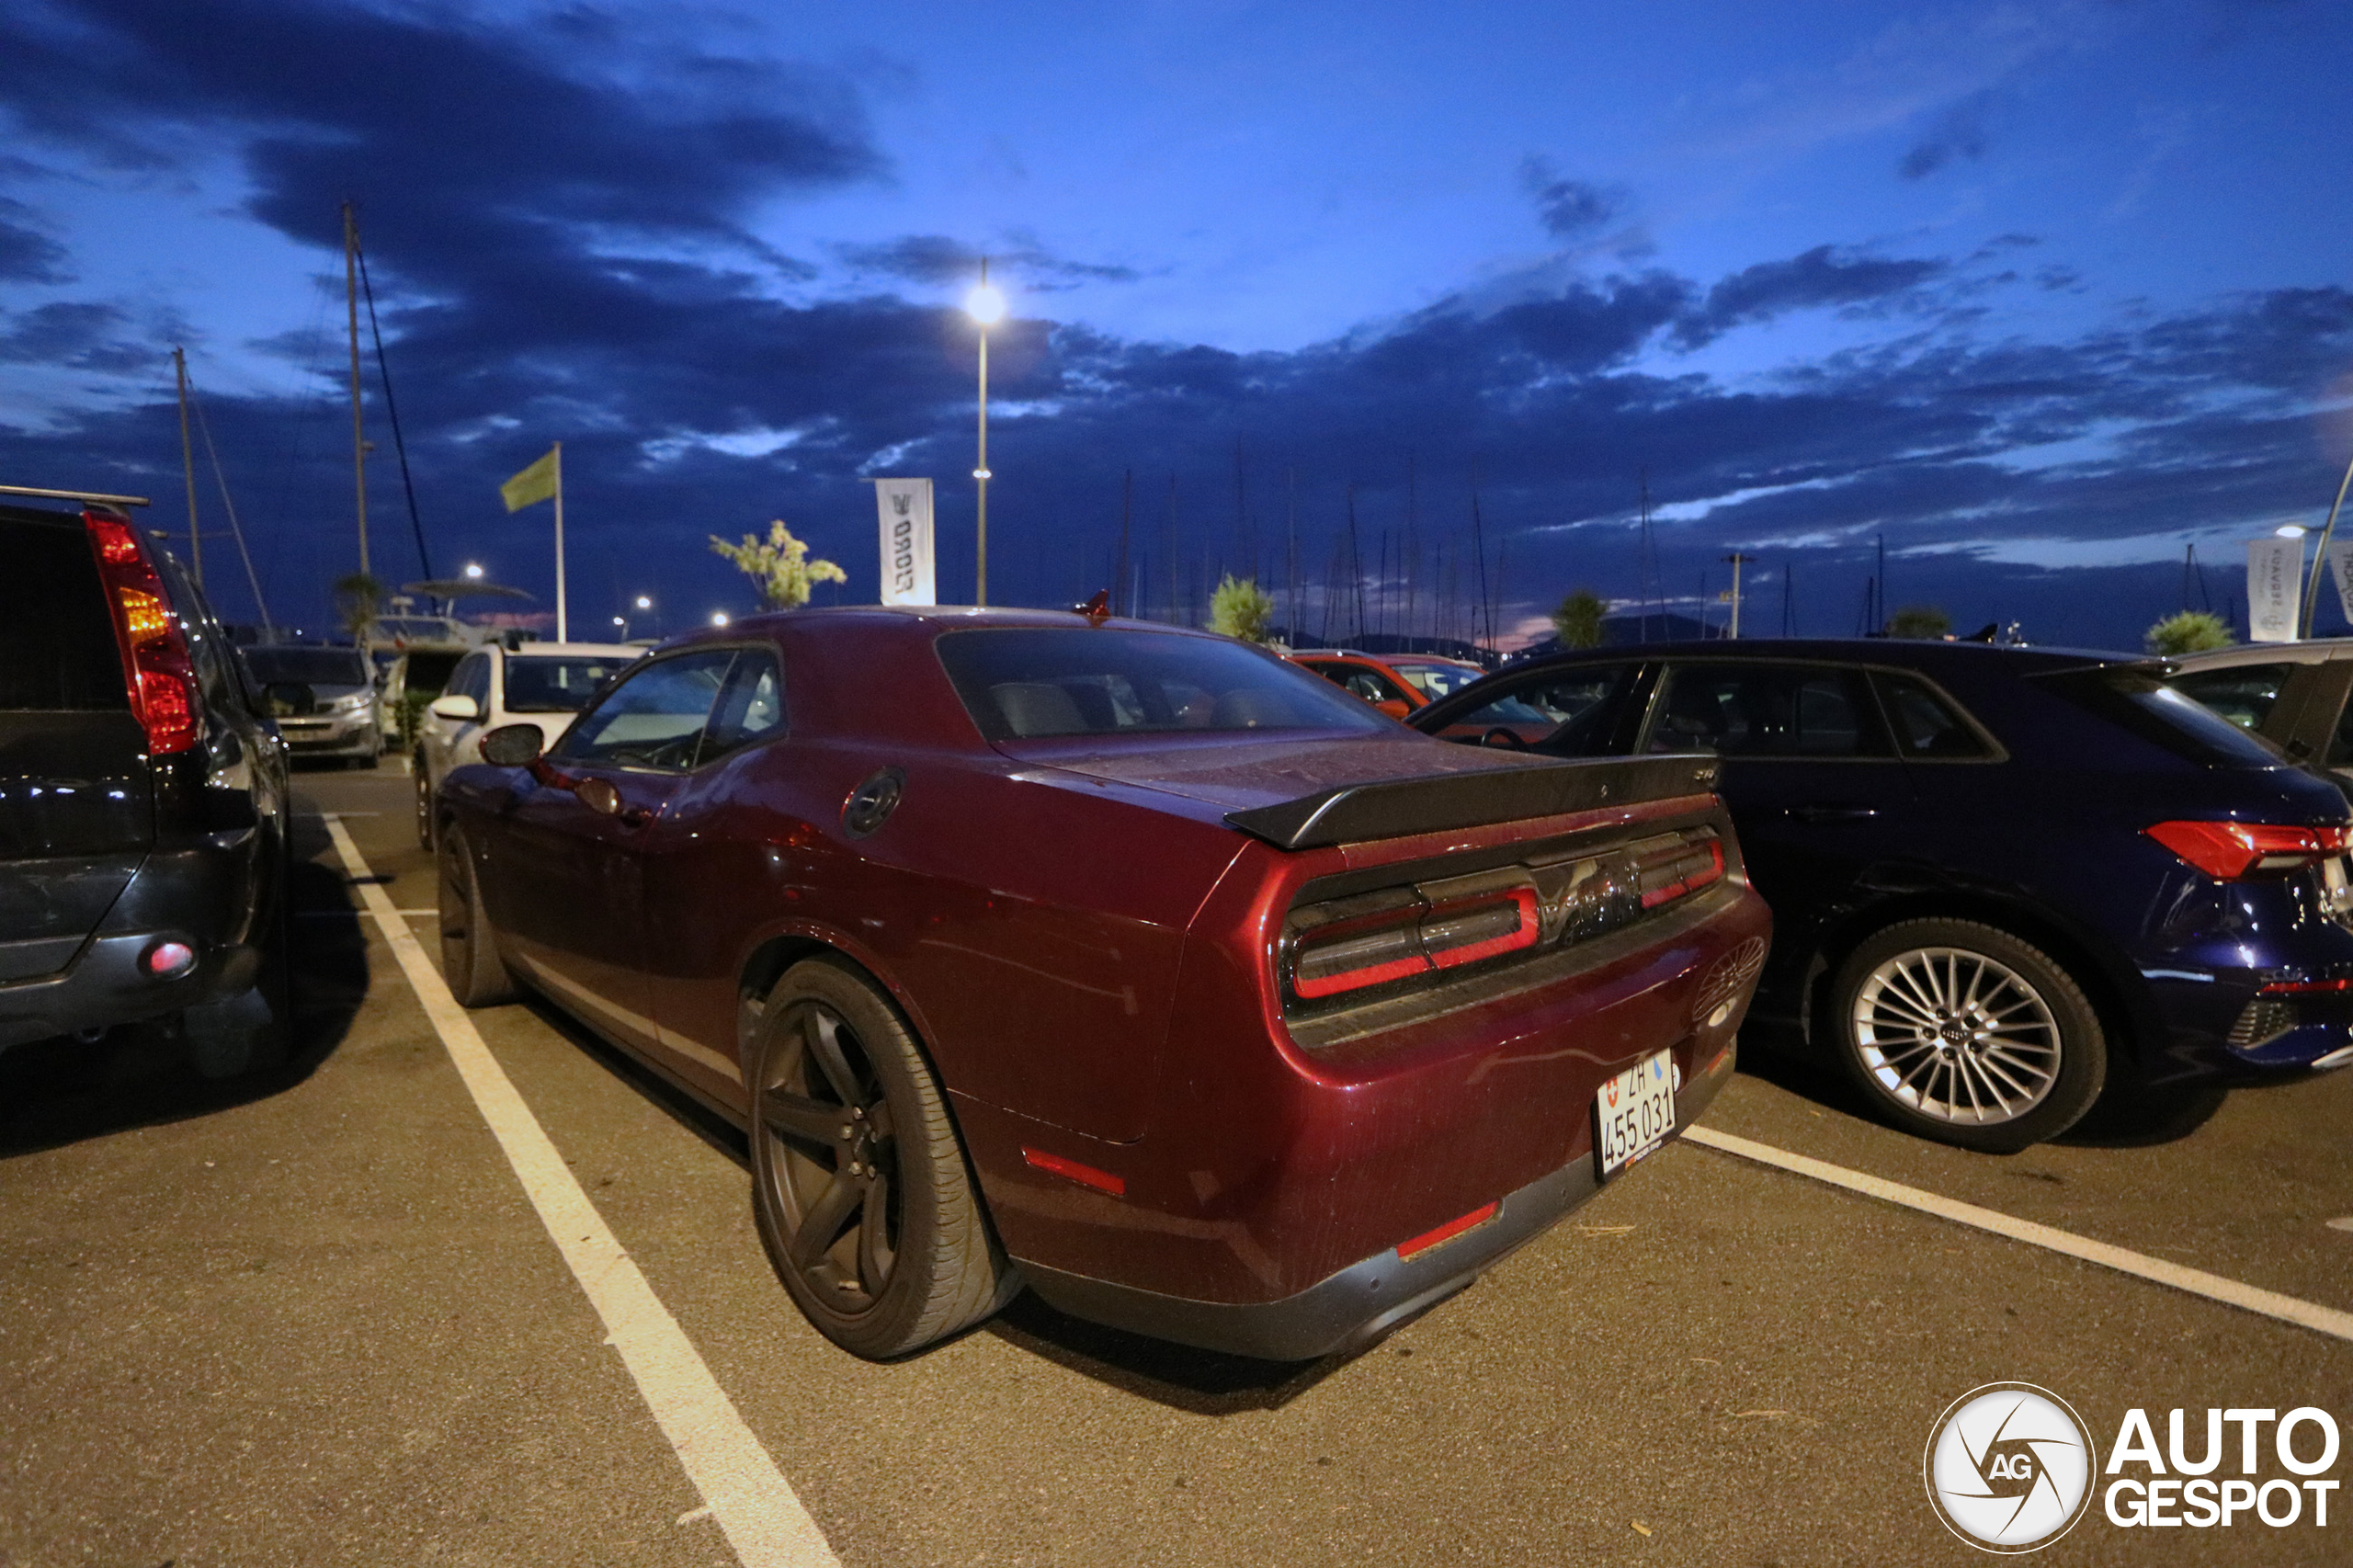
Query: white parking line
x=755, y=1506
x=2196, y=1281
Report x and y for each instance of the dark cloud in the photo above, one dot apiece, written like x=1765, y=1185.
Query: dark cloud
x=935, y=259
x=28, y=255
x=81, y=337
x=1957, y=135
x=1822, y=276
x=1568, y=208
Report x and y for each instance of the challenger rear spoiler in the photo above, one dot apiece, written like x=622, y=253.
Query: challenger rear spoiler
x=1399, y=808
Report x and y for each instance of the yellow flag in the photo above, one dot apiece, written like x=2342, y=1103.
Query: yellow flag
x=537, y=483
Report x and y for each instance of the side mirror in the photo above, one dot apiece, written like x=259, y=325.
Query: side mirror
x=458, y=707
x=1395, y=707
x=510, y=745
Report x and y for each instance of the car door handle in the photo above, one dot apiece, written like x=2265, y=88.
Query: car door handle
x=1833, y=813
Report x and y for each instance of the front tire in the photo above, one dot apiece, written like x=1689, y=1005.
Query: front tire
x=1962, y=1033
x=477, y=977
x=859, y=1187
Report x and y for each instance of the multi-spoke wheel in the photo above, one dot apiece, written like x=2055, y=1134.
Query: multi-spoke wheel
x=470, y=960
x=1965, y=1034
x=859, y=1183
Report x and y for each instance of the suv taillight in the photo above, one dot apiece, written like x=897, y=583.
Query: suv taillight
x=156, y=668
x=2231, y=851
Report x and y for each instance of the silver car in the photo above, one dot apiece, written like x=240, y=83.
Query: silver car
x=323, y=699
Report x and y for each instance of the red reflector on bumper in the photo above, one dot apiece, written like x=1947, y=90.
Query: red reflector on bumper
x=2303, y=987
x=1448, y=1231
x=1071, y=1170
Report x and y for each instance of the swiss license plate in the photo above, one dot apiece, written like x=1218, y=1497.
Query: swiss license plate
x=1634, y=1112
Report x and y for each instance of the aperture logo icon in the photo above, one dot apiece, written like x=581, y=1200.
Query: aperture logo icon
x=2009, y=1467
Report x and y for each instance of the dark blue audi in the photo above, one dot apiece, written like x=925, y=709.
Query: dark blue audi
x=2000, y=877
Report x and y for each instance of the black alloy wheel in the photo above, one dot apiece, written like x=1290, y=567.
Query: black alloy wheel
x=477, y=977
x=859, y=1183
x=1963, y=1033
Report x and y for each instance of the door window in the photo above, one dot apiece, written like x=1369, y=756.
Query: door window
x=1582, y=711
x=2244, y=694
x=750, y=708
x=655, y=718
x=1784, y=711
x=1370, y=684
x=1927, y=726
x=472, y=679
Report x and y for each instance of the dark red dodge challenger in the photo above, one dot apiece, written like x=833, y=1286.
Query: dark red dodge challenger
x=1128, y=964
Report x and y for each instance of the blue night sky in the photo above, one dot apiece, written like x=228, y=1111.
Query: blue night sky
x=2039, y=293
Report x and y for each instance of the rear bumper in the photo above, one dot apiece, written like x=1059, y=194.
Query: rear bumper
x=1356, y=1305
x=212, y=897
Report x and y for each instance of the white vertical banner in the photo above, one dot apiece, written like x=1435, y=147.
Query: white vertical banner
x=2275, y=580
x=905, y=505
x=2340, y=561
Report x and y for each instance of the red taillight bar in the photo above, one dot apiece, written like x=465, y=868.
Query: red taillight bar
x=2228, y=851
x=1415, y=939
x=157, y=671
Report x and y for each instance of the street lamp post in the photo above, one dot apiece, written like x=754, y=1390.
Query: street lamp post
x=985, y=306
x=1736, y=560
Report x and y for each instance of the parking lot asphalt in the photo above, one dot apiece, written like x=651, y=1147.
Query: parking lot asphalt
x=312, y=1319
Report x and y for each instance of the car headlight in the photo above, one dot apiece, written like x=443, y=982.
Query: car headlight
x=352, y=704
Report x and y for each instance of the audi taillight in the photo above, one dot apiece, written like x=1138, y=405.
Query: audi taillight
x=2232, y=851
x=156, y=669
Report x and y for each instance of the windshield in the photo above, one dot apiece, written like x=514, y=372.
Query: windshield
x=307, y=667
x=2135, y=699
x=1019, y=682
x=558, y=685
x=1436, y=680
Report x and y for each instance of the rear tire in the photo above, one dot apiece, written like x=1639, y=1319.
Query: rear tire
x=1962, y=1033
x=851, y=1135
x=476, y=975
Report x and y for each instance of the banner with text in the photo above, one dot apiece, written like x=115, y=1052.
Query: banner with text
x=2275, y=580
x=906, y=508
x=2340, y=561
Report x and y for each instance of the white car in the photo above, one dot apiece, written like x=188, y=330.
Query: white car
x=537, y=683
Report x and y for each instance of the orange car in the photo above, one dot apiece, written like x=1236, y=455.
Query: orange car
x=1395, y=684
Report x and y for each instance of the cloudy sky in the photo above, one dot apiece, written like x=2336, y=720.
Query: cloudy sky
x=2034, y=295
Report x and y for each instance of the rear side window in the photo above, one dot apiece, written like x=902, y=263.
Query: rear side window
x=1022, y=683
x=2244, y=694
x=57, y=647
x=2135, y=701
x=1781, y=710
x=1926, y=725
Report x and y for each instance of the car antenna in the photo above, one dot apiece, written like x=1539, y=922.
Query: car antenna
x=1098, y=609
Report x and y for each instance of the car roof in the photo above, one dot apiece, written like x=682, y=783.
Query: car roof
x=1908, y=652
x=2317, y=651
x=570, y=650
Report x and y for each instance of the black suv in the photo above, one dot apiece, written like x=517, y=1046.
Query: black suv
x=143, y=806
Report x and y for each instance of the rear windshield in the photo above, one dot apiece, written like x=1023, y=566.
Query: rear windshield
x=2137, y=700
x=1019, y=682
x=557, y=685
x=307, y=667
x=57, y=647
x=1435, y=680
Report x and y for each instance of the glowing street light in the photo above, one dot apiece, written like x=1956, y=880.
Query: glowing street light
x=985, y=305
x=473, y=571
x=719, y=618
x=644, y=601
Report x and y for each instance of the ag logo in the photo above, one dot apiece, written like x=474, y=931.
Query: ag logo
x=2008, y=1468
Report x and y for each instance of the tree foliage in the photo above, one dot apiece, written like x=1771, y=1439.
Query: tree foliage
x=2191, y=631
x=1922, y=623
x=778, y=566
x=358, y=600
x=1242, y=609
x=1578, y=619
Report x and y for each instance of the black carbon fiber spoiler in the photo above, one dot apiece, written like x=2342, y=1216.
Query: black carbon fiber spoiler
x=1399, y=808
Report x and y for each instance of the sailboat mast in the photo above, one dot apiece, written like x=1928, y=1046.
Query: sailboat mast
x=187, y=467
x=358, y=439
x=1126, y=520
x=1486, y=621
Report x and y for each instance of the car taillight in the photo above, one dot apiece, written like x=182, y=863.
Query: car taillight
x=2230, y=851
x=156, y=669
x=1351, y=944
